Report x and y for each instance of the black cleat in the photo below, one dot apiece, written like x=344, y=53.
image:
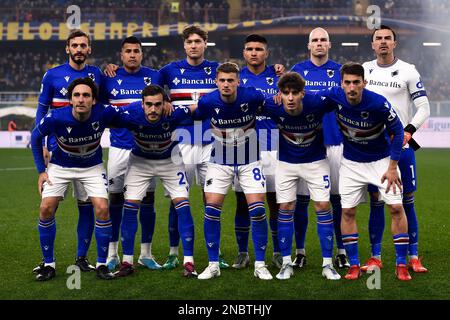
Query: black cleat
x=45, y=273
x=103, y=273
x=38, y=267
x=300, y=261
x=84, y=265
x=341, y=261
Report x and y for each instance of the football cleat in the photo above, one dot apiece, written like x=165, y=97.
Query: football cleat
x=277, y=260
x=113, y=262
x=171, y=262
x=401, y=271
x=38, y=267
x=84, y=265
x=330, y=273
x=45, y=273
x=341, y=261
x=189, y=270
x=371, y=264
x=103, y=273
x=242, y=261
x=286, y=271
x=353, y=273
x=211, y=271
x=150, y=263
x=125, y=269
x=262, y=272
x=416, y=266
x=300, y=261
x=222, y=263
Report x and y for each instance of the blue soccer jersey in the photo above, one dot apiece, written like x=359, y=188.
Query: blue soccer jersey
x=319, y=78
x=53, y=93
x=151, y=140
x=367, y=127
x=186, y=85
x=266, y=82
x=301, y=136
x=122, y=90
x=77, y=142
x=232, y=125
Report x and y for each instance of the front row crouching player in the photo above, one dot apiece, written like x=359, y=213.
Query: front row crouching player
x=77, y=157
x=232, y=113
x=302, y=155
x=367, y=120
x=155, y=155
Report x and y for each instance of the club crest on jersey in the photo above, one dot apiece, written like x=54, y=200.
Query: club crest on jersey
x=305, y=72
x=69, y=129
x=310, y=117
x=119, y=81
x=95, y=125
x=365, y=115
x=330, y=73
x=244, y=107
x=244, y=81
x=165, y=126
x=299, y=139
x=67, y=78
x=269, y=81
x=182, y=70
x=147, y=81
x=207, y=70
x=91, y=75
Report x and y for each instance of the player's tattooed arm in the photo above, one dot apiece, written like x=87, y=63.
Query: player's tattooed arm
x=392, y=177
x=279, y=69
x=43, y=177
x=110, y=70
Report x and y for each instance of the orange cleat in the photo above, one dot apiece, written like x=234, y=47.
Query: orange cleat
x=372, y=263
x=353, y=273
x=401, y=271
x=416, y=266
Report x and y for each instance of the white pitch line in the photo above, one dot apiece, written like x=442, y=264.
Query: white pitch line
x=17, y=169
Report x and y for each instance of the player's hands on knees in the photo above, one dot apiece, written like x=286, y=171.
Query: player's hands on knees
x=393, y=180
x=279, y=69
x=43, y=177
x=167, y=109
x=46, y=154
x=110, y=70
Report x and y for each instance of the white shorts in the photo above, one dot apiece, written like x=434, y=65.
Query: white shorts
x=355, y=176
x=117, y=167
x=196, y=158
x=334, y=155
x=315, y=174
x=141, y=171
x=92, y=180
x=220, y=177
x=269, y=164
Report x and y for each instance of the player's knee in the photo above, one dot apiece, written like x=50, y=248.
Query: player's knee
x=348, y=214
x=175, y=201
x=102, y=210
x=46, y=210
x=149, y=198
x=287, y=205
x=321, y=205
x=116, y=198
x=396, y=211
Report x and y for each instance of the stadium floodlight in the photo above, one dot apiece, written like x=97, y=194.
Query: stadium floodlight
x=149, y=44
x=211, y=44
x=350, y=44
x=432, y=44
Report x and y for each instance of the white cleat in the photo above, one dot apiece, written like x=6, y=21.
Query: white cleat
x=330, y=273
x=210, y=272
x=262, y=272
x=286, y=271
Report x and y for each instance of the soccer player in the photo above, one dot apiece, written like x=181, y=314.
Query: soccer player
x=76, y=157
x=400, y=83
x=320, y=73
x=302, y=155
x=54, y=95
x=188, y=80
x=231, y=111
x=264, y=78
x=155, y=155
x=122, y=89
x=367, y=120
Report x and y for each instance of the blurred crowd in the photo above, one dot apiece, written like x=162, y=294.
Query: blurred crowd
x=22, y=70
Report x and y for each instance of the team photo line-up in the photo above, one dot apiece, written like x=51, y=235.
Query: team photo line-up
x=322, y=131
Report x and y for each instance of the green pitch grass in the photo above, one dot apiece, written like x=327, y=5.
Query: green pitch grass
x=20, y=250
